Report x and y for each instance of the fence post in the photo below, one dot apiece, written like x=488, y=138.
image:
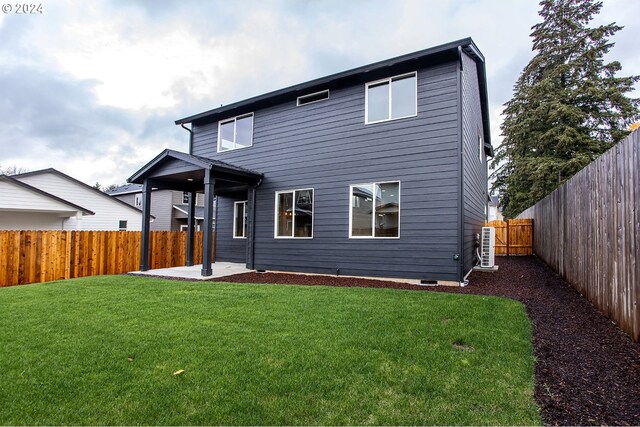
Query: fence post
x=507, y=238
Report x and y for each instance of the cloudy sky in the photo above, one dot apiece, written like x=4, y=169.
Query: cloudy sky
x=92, y=88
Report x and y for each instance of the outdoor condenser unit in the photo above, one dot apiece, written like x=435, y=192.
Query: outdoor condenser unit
x=487, y=248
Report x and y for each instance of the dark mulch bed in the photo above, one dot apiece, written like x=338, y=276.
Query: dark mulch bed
x=587, y=369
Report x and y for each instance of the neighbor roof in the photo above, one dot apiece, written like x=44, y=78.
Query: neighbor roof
x=69, y=178
x=365, y=73
x=11, y=180
x=125, y=189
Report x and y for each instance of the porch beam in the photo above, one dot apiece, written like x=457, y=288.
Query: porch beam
x=251, y=227
x=207, y=227
x=191, y=227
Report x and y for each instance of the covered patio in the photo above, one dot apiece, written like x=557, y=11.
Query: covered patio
x=220, y=269
x=179, y=171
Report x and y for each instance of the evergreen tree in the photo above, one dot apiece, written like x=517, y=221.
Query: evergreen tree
x=568, y=106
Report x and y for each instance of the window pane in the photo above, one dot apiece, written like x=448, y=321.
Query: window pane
x=239, y=220
x=244, y=131
x=403, y=97
x=226, y=136
x=284, y=215
x=387, y=209
x=361, y=210
x=378, y=102
x=304, y=214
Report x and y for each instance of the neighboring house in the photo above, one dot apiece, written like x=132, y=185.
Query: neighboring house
x=376, y=171
x=102, y=212
x=23, y=207
x=495, y=213
x=170, y=208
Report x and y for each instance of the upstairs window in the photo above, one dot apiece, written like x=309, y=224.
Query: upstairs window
x=185, y=197
x=137, y=200
x=375, y=210
x=235, y=133
x=392, y=98
x=294, y=214
x=313, y=97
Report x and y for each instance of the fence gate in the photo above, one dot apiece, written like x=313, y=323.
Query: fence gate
x=513, y=237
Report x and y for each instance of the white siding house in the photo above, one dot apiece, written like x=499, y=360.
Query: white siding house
x=23, y=207
x=110, y=213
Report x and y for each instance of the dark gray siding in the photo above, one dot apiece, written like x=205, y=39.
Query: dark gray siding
x=474, y=176
x=326, y=146
x=227, y=248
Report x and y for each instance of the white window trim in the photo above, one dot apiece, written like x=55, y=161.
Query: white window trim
x=185, y=227
x=293, y=217
x=388, y=80
x=235, y=217
x=234, y=120
x=310, y=95
x=373, y=216
x=480, y=147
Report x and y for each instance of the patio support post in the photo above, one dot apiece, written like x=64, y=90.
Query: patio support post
x=146, y=219
x=207, y=250
x=251, y=208
x=190, y=227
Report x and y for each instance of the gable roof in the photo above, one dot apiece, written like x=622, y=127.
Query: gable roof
x=25, y=186
x=196, y=161
x=77, y=182
x=444, y=52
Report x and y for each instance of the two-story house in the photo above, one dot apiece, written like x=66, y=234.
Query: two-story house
x=376, y=171
x=169, y=208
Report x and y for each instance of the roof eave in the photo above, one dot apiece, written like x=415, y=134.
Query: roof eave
x=334, y=77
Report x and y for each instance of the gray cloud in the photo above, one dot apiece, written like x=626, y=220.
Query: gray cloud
x=263, y=46
x=59, y=111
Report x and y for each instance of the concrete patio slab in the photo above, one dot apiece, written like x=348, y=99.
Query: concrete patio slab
x=220, y=269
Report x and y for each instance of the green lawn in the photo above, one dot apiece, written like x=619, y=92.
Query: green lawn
x=259, y=354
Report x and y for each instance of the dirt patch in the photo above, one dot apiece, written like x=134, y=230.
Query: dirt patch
x=587, y=370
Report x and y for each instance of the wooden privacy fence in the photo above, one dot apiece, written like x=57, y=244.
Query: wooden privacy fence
x=588, y=231
x=513, y=237
x=42, y=256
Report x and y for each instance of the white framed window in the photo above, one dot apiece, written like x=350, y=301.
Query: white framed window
x=137, y=200
x=235, y=133
x=240, y=220
x=391, y=98
x=122, y=225
x=294, y=214
x=374, y=210
x=313, y=97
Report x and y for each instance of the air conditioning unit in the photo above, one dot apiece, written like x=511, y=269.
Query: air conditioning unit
x=487, y=247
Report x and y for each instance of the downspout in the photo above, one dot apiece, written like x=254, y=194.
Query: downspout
x=190, y=137
x=461, y=254
x=252, y=239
